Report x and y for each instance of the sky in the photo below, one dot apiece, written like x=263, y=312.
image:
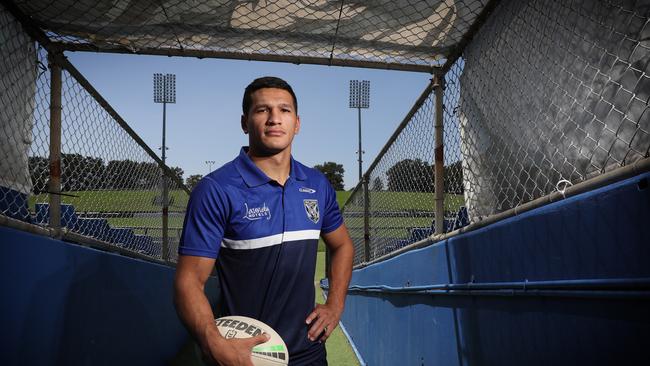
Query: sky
x=204, y=125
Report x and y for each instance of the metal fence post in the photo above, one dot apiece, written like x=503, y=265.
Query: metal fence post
x=366, y=219
x=165, y=219
x=54, y=186
x=439, y=174
x=165, y=195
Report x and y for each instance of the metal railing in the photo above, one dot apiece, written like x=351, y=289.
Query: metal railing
x=73, y=166
x=543, y=98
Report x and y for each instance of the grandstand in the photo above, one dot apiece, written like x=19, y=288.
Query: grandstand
x=527, y=243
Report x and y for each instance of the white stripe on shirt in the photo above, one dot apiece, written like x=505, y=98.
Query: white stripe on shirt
x=270, y=240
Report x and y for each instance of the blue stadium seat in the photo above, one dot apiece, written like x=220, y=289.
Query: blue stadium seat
x=461, y=219
x=92, y=227
x=69, y=216
x=144, y=244
x=121, y=236
x=14, y=204
x=420, y=233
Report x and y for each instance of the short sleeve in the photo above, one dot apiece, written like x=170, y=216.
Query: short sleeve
x=205, y=220
x=332, y=218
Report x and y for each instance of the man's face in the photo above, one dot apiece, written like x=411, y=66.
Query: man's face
x=271, y=122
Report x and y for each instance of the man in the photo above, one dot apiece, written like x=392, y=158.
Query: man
x=258, y=218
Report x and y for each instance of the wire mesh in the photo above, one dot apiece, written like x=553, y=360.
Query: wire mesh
x=549, y=95
x=111, y=188
x=400, y=190
x=546, y=95
x=406, y=32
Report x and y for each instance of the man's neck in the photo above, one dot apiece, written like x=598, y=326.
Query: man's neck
x=276, y=167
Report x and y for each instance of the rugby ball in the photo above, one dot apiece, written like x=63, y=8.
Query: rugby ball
x=270, y=353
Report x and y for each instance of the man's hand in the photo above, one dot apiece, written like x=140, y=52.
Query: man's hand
x=234, y=351
x=324, y=318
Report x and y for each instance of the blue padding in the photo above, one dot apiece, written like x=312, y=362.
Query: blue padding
x=65, y=304
x=14, y=204
x=603, y=234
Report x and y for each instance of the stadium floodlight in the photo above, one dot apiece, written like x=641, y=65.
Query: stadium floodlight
x=210, y=163
x=164, y=91
x=164, y=88
x=360, y=98
x=359, y=94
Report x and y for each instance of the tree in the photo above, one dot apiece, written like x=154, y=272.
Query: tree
x=177, y=172
x=80, y=173
x=410, y=175
x=454, y=178
x=377, y=184
x=193, y=180
x=333, y=172
x=39, y=170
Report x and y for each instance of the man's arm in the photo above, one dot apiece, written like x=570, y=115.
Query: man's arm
x=326, y=317
x=195, y=312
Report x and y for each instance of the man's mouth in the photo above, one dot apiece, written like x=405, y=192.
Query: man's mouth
x=274, y=132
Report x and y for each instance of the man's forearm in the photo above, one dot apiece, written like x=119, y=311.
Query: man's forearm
x=340, y=273
x=194, y=311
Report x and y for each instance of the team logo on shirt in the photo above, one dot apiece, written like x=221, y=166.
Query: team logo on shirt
x=256, y=213
x=311, y=207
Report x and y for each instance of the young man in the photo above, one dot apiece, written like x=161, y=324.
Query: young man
x=259, y=218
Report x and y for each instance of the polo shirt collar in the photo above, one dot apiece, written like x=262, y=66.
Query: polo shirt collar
x=254, y=176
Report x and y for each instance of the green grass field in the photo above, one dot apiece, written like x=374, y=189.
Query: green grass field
x=406, y=201
x=143, y=201
x=117, y=201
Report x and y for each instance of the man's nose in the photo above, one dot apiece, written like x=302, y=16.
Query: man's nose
x=274, y=117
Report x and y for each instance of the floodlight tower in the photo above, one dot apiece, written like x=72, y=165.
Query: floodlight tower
x=360, y=98
x=164, y=91
x=209, y=164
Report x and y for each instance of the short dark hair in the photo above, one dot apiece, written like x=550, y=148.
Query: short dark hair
x=266, y=82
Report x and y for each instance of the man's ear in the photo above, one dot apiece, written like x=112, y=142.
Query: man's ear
x=297, y=128
x=244, y=127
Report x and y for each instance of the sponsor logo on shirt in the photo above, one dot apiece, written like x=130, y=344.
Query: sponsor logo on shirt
x=311, y=208
x=256, y=213
x=306, y=190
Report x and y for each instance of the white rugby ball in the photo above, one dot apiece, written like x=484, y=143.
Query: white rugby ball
x=270, y=353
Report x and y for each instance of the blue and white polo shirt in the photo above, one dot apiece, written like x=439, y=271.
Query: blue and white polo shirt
x=265, y=239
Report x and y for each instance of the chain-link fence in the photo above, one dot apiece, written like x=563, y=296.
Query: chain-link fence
x=407, y=34
x=111, y=185
x=546, y=95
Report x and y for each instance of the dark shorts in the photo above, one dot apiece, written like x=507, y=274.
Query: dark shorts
x=191, y=355
x=318, y=363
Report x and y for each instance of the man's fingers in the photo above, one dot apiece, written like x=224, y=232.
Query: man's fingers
x=328, y=330
x=316, y=328
x=259, y=339
x=311, y=317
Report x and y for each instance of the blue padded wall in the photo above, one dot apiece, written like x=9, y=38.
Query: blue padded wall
x=65, y=304
x=592, y=238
